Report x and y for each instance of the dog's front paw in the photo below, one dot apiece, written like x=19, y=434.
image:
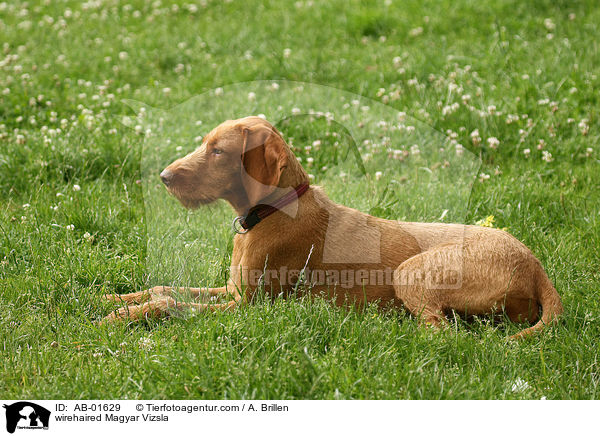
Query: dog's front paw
x=133, y=298
x=116, y=316
x=155, y=308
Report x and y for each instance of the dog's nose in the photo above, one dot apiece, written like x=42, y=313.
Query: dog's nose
x=166, y=176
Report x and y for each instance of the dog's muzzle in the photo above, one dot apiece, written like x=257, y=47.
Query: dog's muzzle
x=167, y=177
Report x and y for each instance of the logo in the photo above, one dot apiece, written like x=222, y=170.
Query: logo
x=26, y=415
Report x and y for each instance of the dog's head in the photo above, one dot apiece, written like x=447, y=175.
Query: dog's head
x=242, y=161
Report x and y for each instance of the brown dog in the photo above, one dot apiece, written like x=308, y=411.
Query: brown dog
x=430, y=269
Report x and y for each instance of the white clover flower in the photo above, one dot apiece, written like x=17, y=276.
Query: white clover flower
x=146, y=343
x=475, y=137
x=527, y=152
x=584, y=127
x=123, y=55
x=76, y=188
x=310, y=160
x=251, y=96
x=295, y=111
x=166, y=91
x=287, y=52
x=26, y=206
x=138, y=129
x=519, y=385
x=547, y=156
x=416, y=31
x=446, y=110
x=378, y=175
x=218, y=92
x=589, y=151
x=541, y=144
x=493, y=142
x=549, y=24
x=70, y=227
x=511, y=118
x=483, y=177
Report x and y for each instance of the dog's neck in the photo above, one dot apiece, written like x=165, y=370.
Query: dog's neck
x=292, y=176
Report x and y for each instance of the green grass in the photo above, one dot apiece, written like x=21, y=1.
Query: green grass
x=500, y=54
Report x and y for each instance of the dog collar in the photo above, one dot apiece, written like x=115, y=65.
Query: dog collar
x=259, y=212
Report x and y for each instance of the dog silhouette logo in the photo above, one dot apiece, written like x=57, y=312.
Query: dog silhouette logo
x=26, y=415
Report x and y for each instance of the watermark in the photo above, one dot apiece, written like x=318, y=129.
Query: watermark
x=363, y=154
x=345, y=278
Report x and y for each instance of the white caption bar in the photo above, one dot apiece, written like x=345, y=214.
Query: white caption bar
x=149, y=417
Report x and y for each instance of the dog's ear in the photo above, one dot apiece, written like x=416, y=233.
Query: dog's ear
x=263, y=160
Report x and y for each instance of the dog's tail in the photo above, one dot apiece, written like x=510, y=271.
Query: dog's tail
x=549, y=299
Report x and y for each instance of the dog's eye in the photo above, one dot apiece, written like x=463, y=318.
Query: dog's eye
x=217, y=151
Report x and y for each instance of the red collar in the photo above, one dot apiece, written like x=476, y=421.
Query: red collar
x=261, y=211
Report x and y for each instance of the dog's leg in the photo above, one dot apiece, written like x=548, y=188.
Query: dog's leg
x=161, y=307
x=166, y=291
x=477, y=276
x=423, y=281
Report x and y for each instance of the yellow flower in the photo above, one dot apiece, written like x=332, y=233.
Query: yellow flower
x=487, y=222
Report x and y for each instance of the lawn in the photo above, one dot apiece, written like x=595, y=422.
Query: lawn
x=500, y=107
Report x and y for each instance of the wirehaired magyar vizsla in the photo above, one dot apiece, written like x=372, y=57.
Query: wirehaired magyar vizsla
x=285, y=226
